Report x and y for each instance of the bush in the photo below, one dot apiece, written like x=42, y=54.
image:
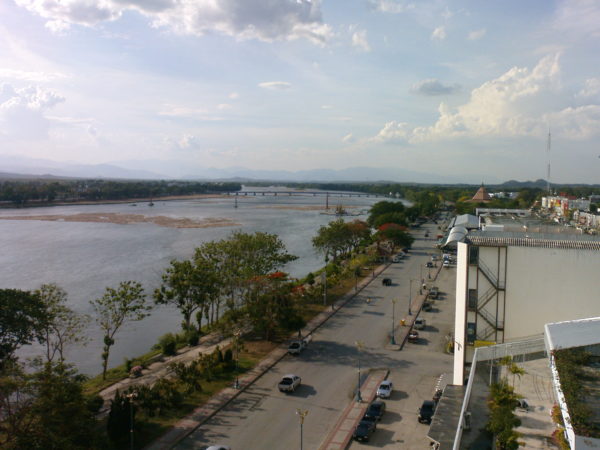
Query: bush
x=168, y=344
x=192, y=337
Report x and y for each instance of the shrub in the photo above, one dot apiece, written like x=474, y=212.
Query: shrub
x=168, y=344
x=192, y=337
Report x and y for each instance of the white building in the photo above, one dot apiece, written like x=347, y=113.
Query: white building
x=510, y=284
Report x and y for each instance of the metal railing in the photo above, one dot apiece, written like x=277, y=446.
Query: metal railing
x=489, y=275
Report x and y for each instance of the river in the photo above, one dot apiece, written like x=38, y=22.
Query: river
x=86, y=257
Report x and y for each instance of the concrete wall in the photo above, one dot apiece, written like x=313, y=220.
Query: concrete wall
x=549, y=285
x=460, y=314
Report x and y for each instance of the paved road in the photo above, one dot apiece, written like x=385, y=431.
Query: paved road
x=264, y=418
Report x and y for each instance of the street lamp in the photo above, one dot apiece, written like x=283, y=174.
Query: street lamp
x=302, y=414
x=359, y=346
x=410, y=296
x=325, y=280
x=237, y=333
x=393, y=340
x=130, y=397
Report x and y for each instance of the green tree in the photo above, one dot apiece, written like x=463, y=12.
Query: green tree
x=22, y=320
x=502, y=420
x=116, y=307
x=384, y=207
x=187, y=285
x=395, y=234
x=63, y=326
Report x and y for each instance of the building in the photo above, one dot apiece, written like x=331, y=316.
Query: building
x=481, y=196
x=509, y=284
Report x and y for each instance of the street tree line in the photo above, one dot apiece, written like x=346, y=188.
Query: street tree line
x=22, y=192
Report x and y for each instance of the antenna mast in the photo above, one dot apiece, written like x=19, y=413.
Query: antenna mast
x=548, y=165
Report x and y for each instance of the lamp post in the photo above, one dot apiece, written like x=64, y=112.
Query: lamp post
x=393, y=339
x=130, y=397
x=359, y=347
x=410, y=296
x=302, y=414
x=237, y=333
x=325, y=280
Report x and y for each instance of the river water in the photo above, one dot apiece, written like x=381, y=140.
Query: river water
x=86, y=257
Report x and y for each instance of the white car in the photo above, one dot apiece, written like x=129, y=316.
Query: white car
x=289, y=383
x=446, y=263
x=419, y=324
x=385, y=389
x=219, y=447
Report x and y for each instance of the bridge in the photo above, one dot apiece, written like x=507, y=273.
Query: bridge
x=304, y=193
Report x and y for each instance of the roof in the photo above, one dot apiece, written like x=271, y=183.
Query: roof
x=491, y=238
x=457, y=234
x=445, y=421
x=572, y=333
x=481, y=195
x=466, y=220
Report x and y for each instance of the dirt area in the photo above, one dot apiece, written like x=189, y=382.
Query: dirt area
x=303, y=208
x=126, y=219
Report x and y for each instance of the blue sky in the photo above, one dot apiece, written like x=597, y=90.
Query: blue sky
x=468, y=87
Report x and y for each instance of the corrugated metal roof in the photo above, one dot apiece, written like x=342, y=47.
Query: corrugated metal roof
x=544, y=240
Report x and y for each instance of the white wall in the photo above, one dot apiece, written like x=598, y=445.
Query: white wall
x=549, y=285
x=460, y=314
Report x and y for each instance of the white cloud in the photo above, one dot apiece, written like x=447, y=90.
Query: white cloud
x=349, y=138
x=433, y=87
x=591, y=88
x=223, y=106
x=275, y=85
x=234, y=96
x=477, y=34
x=392, y=6
x=510, y=105
x=184, y=112
x=359, y=40
x=439, y=34
x=243, y=19
x=326, y=107
x=578, y=18
x=22, y=111
x=38, y=77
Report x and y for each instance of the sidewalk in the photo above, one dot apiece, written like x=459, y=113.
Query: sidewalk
x=203, y=413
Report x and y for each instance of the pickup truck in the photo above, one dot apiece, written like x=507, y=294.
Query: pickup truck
x=296, y=347
x=289, y=383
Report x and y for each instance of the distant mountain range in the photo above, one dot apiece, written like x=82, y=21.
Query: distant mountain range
x=21, y=167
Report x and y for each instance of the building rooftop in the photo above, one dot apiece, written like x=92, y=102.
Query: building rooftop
x=494, y=238
x=445, y=421
x=572, y=333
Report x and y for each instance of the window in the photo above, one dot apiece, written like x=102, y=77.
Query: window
x=472, y=301
x=473, y=254
x=471, y=332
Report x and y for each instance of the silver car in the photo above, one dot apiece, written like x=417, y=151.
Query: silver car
x=385, y=389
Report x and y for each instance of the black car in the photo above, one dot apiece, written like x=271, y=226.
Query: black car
x=375, y=411
x=429, y=264
x=364, y=430
x=386, y=281
x=426, y=411
x=427, y=306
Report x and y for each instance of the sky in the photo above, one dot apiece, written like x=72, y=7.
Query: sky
x=467, y=87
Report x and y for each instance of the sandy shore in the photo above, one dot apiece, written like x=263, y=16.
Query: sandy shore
x=126, y=219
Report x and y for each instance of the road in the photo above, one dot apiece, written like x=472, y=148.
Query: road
x=264, y=418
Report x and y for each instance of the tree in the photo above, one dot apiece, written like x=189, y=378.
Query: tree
x=22, y=320
x=333, y=239
x=47, y=410
x=115, y=308
x=384, y=207
x=502, y=419
x=63, y=326
x=187, y=285
x=396, y=234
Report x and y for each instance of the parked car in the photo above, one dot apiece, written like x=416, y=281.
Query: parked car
x=427, y=306
x=413, y=336
x=375, y=411
x=429, y=264
x=289, y=383
x=434, y=292
x=296, y=347
x=420, y=323
x=434, y=258
x=426, y=411
x=385, y=389
x=219, y=447
x=386, y=281
x=364, y=430
x=446, y=263
x=405, y=249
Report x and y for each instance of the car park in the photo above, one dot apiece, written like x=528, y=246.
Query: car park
x=385, y=389
x=413, y=336
x=375, y=411
x=289, y=383
x=426, y=411
x=420, y=323
x=386, y=281
x=364, y=430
